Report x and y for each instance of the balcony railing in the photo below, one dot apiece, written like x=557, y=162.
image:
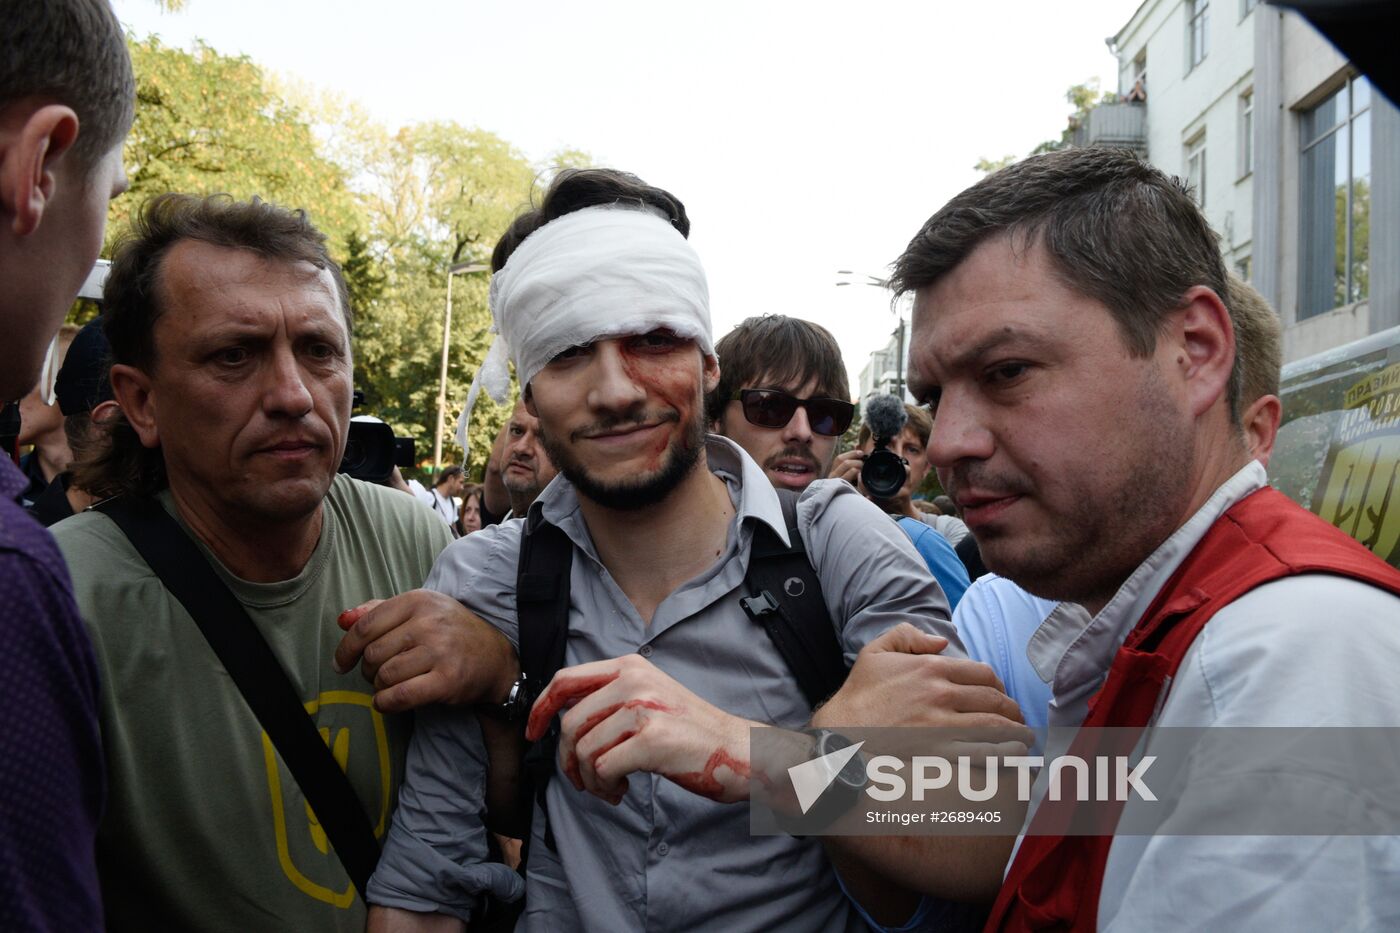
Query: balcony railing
x=1118, y=125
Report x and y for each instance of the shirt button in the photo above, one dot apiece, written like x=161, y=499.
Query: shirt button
x=662, y=849
x=645, y=651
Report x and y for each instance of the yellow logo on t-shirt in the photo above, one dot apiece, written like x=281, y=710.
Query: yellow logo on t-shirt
x=354, y=731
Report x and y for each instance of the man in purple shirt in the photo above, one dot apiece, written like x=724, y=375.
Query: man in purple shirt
x=66, y=99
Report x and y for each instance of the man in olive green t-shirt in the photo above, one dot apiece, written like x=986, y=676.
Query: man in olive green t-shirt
x=230, y=336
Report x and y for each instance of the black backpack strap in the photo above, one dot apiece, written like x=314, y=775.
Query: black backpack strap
x=542, y=611
x=786, y=600
x=176, y=560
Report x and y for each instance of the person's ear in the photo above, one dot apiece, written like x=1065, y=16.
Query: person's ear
x=137, y=398
x=1261, y=420
x=711, y=372
x=1204, y=340
x=28, y=157
x=104, y=412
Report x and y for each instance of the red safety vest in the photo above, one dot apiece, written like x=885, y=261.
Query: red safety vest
x=1054, y=881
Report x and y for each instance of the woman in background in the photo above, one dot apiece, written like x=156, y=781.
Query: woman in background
x=469, y=515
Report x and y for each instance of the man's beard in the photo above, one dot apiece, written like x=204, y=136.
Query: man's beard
x=1127, y=513
x=644, y=491
x=521, y=493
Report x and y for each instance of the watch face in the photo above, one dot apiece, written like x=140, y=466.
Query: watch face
x=853, y=773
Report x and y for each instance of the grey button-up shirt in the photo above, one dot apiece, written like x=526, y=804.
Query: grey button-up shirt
x=666, y=859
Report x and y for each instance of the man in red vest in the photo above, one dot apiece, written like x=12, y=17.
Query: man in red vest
x=1070, y=337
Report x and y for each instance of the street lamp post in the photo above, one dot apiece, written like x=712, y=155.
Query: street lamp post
x=452, y=270
x=877, y=282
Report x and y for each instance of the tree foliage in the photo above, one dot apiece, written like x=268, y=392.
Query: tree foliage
x=209, y=123
x=435, y=195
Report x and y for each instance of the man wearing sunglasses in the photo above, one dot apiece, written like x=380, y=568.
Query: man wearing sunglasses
x=782, y=396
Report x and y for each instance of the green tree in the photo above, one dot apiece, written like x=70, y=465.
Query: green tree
x=987, y=166
x=435, y=194
x=208, y=123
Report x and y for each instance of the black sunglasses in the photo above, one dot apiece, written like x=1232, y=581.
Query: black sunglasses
x=769, y=408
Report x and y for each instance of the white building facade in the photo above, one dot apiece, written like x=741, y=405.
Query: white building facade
x=1289, y=151
x=1193, y=61
x=888, y=370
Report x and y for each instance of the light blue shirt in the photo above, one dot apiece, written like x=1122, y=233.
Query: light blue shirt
x=942, y=560
x=996, y=619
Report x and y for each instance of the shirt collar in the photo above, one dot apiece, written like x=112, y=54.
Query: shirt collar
x=1072, y=651
x=754, y=496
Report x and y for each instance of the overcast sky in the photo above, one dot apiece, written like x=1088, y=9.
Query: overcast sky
x=803, y=137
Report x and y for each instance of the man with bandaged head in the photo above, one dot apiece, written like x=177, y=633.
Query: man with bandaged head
x=602, y=306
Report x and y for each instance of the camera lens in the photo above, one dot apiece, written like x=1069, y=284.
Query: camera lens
x=883, y=474
x=369, y=451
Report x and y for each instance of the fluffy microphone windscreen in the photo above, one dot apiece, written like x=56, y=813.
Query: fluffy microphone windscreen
x=886, y=416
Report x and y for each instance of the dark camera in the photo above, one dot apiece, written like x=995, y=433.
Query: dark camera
x=885, y=471
x=372, y=451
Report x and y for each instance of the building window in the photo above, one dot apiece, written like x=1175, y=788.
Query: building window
x=1246, y=132
x=1335, y=222
x=1244, y=267
x=1197, y=28
x=1196, y=168
x=1137, y=90
x=1247, y=7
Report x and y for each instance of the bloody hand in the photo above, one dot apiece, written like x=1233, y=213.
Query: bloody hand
x=626, y=716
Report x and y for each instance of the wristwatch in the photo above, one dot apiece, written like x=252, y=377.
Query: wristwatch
x=845, y=787
x=516, y=705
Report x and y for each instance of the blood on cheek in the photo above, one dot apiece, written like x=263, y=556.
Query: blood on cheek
x=671, y=379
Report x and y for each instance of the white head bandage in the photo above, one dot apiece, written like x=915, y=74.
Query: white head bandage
x=592, y=274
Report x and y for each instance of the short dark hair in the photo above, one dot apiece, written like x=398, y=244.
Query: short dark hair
x=446, y=474
x=133, y=301
x=1115, y=229
x=132, y=295
x=576, y=188
x=72, y=52
x=782, y=351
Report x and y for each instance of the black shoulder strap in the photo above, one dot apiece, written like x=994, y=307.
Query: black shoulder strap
x=542, y=612
x=786, y=600
x=168, y=550
x=542, y=601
